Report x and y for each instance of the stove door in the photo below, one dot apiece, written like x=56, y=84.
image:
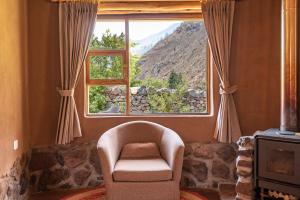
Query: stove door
x=279, y=161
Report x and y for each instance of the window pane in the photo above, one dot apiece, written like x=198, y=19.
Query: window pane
x=108, y=35
x=168, y=67
x=106, y=67
x=107, y=99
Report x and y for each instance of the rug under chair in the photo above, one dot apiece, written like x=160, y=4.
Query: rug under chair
x=99, y=194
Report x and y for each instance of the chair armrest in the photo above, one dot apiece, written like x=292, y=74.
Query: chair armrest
x=108, y=152
x=172, y=150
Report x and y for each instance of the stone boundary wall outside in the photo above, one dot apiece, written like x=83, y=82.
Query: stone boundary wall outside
x=78, y=166
x=196, y=100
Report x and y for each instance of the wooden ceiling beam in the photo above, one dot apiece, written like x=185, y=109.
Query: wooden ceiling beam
x=115, y=7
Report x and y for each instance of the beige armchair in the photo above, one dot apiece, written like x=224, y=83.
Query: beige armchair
x=151, y=179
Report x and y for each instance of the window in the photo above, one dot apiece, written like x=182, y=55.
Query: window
x=138, y=66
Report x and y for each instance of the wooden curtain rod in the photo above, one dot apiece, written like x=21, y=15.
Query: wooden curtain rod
x=147, y=12
x=153, y=16
x=128, y=1
x=135, y=1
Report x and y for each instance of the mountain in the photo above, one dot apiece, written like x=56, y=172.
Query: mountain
x=184, y=51
x=147, y=43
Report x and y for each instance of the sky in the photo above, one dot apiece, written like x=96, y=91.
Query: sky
x=138, y=29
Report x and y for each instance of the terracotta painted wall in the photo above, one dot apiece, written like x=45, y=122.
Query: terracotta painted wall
x=43, y=69
x=13, y=82
x=255, y=69
x=256, y=63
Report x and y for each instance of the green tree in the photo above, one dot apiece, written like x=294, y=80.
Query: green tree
x=134, y=70
x=108, y=41
x=175, y=80
x=97, y=99
x=170, y=101
x=105, y=67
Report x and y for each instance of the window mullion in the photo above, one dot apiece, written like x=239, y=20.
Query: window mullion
x=128, y=106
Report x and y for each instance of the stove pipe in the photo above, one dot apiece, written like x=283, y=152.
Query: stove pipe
x=290, y=82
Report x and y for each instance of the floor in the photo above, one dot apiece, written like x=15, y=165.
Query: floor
x=227, y=194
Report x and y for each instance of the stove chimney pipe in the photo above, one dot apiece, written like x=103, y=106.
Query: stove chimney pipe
x=289, y=120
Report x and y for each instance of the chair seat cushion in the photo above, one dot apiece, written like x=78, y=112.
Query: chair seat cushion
x=144, y=170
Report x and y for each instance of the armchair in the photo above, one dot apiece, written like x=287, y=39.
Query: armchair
x=151, y=179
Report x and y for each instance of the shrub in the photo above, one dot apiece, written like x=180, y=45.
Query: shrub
x=175, y=80
x=154, y=83
x=171, y=101
x=97, y=99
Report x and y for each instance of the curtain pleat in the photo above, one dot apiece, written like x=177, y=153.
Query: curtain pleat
x=76, y=25
x=218, y=18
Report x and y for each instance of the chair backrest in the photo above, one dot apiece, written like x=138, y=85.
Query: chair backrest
x=138, y=132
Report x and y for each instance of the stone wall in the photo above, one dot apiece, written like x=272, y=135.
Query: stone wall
x=14, y=185
x=77, y=166
x=195, y=99
x=65, y=167
x=244, y=186
x=209, y=165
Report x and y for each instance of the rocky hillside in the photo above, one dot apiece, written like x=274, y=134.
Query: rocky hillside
x=184, y=51
x=147, y=43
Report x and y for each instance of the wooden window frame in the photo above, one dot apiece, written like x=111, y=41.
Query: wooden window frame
x=112, y=81
x=124, y=53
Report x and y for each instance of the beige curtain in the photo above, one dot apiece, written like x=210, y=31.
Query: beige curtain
x=76, y=24
x=218, y=19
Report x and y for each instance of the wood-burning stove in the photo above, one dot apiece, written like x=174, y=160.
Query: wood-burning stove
x=277, y=163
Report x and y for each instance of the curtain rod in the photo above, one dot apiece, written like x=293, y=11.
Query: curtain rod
x=129, y=1
x=136, y=1
x=62, y=1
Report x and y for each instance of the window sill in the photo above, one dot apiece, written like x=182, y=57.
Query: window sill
x=204, y=115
